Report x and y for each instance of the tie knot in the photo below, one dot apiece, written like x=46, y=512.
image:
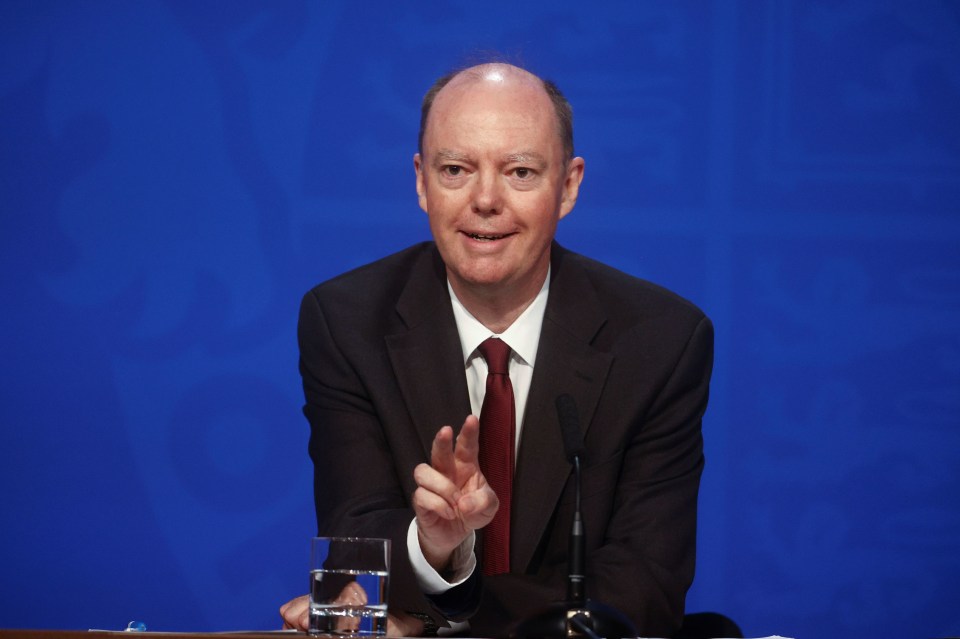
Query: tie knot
x=497, y=354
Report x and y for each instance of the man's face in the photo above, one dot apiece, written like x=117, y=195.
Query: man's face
x=494, y=182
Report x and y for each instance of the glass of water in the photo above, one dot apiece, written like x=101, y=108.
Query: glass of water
x=349, y=577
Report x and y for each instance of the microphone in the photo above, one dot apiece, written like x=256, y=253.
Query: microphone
x=577, y=616
x=573, y=449
x=569, y=427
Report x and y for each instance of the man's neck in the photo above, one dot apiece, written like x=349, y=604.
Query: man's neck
x=495, y=307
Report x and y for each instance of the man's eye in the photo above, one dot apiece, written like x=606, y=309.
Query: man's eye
x=452, y=170
x=523, y=173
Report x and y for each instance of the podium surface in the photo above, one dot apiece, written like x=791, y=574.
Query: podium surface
x=114, y=634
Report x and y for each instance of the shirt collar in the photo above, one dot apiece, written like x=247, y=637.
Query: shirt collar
x=523, y=336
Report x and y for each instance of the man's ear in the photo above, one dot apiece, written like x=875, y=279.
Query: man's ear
x=571, y=185
x=421, y=185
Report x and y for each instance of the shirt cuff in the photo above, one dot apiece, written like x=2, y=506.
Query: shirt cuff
x=462, y=564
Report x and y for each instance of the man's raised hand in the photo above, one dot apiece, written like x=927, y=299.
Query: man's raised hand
x=452, y=498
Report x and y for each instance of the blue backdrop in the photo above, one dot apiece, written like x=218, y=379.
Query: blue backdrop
x=174, y=175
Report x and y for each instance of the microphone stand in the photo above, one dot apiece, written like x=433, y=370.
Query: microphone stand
x=577, y=616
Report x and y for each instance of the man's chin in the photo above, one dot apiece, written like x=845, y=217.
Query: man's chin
x=482, y=280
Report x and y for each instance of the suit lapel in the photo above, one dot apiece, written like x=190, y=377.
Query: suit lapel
x=426, y=355
x=566, y=363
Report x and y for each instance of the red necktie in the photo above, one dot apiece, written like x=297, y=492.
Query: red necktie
x=497, y=432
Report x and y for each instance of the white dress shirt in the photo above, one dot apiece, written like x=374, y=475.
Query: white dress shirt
x=523, y=338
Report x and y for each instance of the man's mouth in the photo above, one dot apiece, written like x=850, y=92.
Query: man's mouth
x=486, y=238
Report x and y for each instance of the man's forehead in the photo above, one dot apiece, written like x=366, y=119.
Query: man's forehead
x=526, y=134
x=493, y=87
x=496, y=94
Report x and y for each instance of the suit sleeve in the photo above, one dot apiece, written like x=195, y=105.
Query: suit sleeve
x=641, y=557
x=358, y=491
x=647, y=563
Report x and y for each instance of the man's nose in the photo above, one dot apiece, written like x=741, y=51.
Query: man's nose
x=487, y=193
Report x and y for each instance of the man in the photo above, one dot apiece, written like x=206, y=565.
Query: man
x=394, y=353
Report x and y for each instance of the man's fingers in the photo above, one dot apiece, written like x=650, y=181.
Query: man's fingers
x=429, y=506
x=296, y=613
x=468, y=442
x=478, y=507
x=352, y=594
x=441, y=452
x=437, y=483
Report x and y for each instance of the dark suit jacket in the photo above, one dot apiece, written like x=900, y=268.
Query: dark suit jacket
x=383, y=371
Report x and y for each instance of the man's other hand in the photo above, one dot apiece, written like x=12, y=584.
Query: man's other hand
x=296, y=616
x=296, y=613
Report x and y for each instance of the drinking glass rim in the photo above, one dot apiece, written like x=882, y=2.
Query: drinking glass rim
x=318, y=537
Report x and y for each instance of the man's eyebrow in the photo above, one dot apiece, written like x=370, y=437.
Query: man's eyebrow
x=448, y=155
x=526, y=157
x=444, y=156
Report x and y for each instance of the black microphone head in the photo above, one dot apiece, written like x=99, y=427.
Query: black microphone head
x=569, y=426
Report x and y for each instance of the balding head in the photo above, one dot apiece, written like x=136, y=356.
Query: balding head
x=507, y=75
